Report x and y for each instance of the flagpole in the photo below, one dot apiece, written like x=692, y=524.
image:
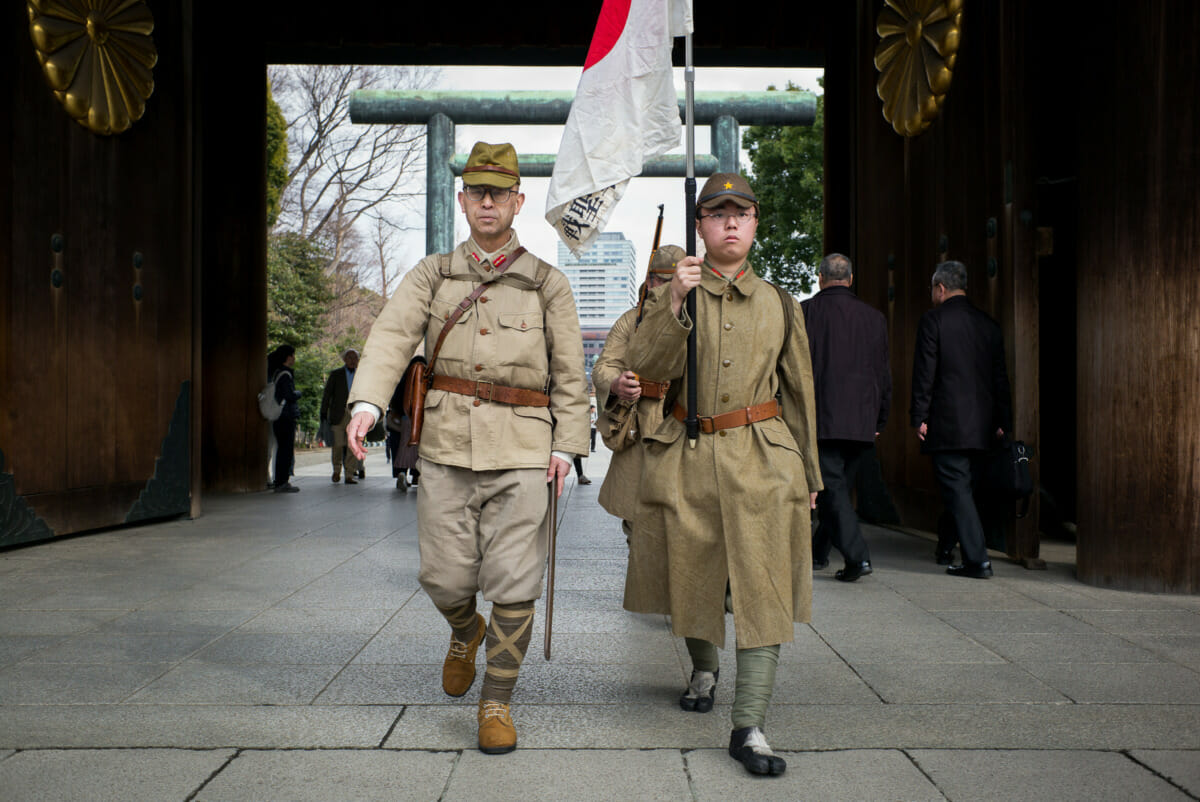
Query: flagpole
x=692, y=423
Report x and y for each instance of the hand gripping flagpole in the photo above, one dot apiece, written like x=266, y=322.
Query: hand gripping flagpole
x=692, y=423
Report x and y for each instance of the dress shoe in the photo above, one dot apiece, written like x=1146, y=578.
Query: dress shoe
x=853, y=571
x=458, y=671
x=701, y=691
x=497, y=733
x=820, y=565
x=973, y=570
x=350, y=480
x=583, y=480
x=337, y=477
x=944, y=557
x=286, y=487
x=749, y=746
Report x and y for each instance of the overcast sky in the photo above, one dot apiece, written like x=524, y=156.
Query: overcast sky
x=635, y=214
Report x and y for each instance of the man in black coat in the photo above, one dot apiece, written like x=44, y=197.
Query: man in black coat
x=853, y=382
x=334, y=411
x=961, y=405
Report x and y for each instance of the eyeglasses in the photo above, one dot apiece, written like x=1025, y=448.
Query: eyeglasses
x=741, y=216
x=498, y=194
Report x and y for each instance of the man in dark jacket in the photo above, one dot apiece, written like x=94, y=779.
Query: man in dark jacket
x=335, y=413
x=853, y=383
x=960, y=406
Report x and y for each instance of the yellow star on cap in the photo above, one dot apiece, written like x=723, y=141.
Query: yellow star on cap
x=728, y=185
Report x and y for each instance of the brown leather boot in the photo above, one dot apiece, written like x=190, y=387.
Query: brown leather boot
x=458, y=672
x=497, y=734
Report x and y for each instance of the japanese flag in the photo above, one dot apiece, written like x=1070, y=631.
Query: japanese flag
x=625, y=111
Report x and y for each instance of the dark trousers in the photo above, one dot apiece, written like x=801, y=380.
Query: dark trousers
x=957, y=472
x=838, y=522
x=579, y=466
x=285, y=436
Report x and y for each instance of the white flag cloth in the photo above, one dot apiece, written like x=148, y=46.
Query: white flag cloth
x=625, y=111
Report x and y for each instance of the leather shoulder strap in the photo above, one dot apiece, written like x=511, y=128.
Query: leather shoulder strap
x=463, y=306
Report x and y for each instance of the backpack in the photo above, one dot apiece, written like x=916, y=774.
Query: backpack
x=267, y=405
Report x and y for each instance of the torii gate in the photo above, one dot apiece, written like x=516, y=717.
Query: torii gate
x=440, y=111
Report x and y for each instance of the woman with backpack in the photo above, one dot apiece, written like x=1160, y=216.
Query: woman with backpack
x=279, y=371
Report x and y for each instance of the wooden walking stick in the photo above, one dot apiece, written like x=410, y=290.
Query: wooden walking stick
x=552, y=535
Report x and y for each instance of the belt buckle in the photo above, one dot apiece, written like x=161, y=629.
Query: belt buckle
x=491, y=393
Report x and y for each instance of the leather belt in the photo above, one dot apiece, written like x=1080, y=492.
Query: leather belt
x=734, y=419
x=653, y=389
x=490, y=391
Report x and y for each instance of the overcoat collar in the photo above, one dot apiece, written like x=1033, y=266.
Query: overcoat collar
x=716, y=284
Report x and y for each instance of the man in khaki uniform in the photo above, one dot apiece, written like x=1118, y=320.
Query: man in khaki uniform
x=620, y=391
x=506, y=412
x=734, y=510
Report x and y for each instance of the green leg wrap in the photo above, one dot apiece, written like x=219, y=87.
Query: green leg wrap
x=754, y=685
x=703, y=654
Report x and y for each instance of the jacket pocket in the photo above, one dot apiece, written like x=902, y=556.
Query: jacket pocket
x=538, y=413
x=522, y=321
x=441, y=310
x=434, y=398
x=777, y=433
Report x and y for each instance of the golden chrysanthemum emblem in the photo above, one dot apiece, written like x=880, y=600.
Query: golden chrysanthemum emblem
x=98, y=57
x=918, y=43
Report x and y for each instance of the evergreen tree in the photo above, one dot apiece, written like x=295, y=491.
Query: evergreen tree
x=788, y=172
x=277, y=157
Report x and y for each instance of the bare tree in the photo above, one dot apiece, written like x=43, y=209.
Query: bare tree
x=344, y=178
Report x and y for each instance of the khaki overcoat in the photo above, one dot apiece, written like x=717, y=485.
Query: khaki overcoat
x=734, y=510
x=646, y=572
x=504, y=337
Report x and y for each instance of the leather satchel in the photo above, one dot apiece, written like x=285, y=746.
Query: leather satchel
x=618, y=426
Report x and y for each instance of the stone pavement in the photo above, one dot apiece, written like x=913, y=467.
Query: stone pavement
x=279, y=647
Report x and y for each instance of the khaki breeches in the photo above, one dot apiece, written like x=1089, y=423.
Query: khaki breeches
x=481, y=531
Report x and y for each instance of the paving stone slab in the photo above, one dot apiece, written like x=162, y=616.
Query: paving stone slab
x=122, y=647
x=119, y=775
x=853, y=775
x=202, y=622
x=1178, y=766
x=53, y=622
x=61, y=683
x=283, y=648
x=554, y=775
x=1033, y=776
x=949, y=683
x=1016, y=621
x=1147, y=683
x=200, y=683
x=195, y=726
x=1097, y=647
x=1143, y=622
x=323, y=622
x=320, y=776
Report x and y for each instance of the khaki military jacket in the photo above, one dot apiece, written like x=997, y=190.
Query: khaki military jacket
x=504, y=337
x=733, y=510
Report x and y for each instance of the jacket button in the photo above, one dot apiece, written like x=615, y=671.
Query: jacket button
x=446, y=316
x=726, y=363
x=722, y=432
x=483, y=331
x=725, y=398
x=483, y=300
x=522, y=324
x=478, y=367
x=729, y=296
x=728, y=326
x=476, y=402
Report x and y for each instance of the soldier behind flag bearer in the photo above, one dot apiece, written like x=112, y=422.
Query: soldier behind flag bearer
x=734, y=510
x=620, y=392
x=505, y=414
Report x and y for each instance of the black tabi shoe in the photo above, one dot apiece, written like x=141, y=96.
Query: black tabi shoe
x=820, y=565
x=944, y=557
x=749, y=746
x=701, y=691
x=853, y=571
x=973, y=570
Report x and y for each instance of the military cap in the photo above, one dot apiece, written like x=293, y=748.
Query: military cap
x=721, y=187
x=665, y=259
x=492, y=165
